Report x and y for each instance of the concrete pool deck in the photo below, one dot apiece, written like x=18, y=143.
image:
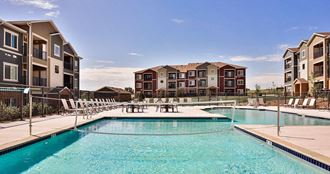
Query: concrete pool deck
x=311, y=140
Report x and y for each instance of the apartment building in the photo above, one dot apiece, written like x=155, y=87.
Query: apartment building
x=307, y=66
x=193, y=79
x=35, y=53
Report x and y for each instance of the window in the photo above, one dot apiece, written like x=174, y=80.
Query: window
x=240, y=82
x=147, y=77
x=172, y=85
x=192, y=83
x=303, y=54
x=201, y=73
x=212, y=78
x=75, y=83
x=57, y=50
x=212, y=71
x=147, y=86
x=11, y=39
x=240, y=72
x=138, y=77
x=182, y=75
x=229, y=83
x=202, y=83
x=161, y=74
x=161, y=81
x=182, y=84
x=11, y=102
x=57, y=69
x=191, y=73
x=172, y=76
x=138, y=85
x=229, y=73
x=76, y=63
x=318, y=50
x=303, y=66
x=240, y=91
x=10, y=72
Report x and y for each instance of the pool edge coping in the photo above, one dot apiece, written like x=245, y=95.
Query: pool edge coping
x=309, y=156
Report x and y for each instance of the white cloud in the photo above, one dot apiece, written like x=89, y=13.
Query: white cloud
x=265, y=80
x=42, y=4
x=311, y=28
x=94, y=78
x=135, y=54
x=53, y=13
x=177, y=20
x=267, y=58
x=104, y=61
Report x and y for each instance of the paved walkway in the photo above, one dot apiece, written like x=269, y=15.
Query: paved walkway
x=310, y=140
x=306, y=112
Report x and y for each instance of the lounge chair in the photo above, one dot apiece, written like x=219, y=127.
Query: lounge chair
x=304, y=104
x=181, y=100
x=312, y=103
x=289, y=103
x=261, y=102
x=252, y=102
x=73, y=108
x=189, y=100
x=296, y=102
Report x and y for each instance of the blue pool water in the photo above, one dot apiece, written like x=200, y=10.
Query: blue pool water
x=225, y=151
x=249, y=116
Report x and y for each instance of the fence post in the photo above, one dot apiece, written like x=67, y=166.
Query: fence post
x=21, y=108
x=42, y=103
x=30, y=113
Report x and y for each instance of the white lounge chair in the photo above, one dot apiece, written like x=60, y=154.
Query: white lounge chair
x=304, y=104
x=189, y=100
x=181, y=100
x=289, y=103
x=296, y=102
x=261, y=102
x=73, y=108
x=312, y=103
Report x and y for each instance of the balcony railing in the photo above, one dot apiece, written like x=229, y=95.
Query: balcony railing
x=287, y=66
x=68, y=65
x=39, y=81
x=318, y=73
x=318, y=54
x=288, y=79
x=38, y=53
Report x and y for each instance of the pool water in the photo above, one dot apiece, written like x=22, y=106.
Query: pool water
x=249, y=116
x=173, y=150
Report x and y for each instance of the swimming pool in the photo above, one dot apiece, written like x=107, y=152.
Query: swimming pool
x=180, y=146
x=252, y=116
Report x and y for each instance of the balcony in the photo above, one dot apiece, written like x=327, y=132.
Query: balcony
x=201, y=74
x=288, y=79
x=287, y=66
x=147, y=86
x=318, y=69
x=229, y=74
x=318, y=54
x=172, y=85
x=229, y=83
x=68, y=67
x=147, y=77
x=39, y=81
x=38, y=53
x=202, y=84
x=172, y=76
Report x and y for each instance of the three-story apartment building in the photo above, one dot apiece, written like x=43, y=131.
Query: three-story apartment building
x=193, y=79
x=307, y=66
x=35, y=53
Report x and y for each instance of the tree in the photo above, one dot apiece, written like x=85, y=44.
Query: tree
x=257, y=90
x=314, y=86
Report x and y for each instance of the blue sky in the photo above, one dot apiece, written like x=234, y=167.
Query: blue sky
x=117, y=37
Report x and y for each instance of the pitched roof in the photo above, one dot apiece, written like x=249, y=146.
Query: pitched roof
x=118, y=90
x=9, y=25
x=321, y=34
x=191, y=66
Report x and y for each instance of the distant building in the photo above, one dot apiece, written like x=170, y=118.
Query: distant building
x=111, y=92
x=307, y=66
x=193, y=79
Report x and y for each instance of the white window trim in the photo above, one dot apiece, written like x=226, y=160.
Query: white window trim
x=4, y=72
x=4, y=39
x=303, y=53
x=59, y=48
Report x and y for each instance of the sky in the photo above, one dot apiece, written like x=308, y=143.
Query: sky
x=118, y=37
